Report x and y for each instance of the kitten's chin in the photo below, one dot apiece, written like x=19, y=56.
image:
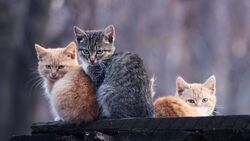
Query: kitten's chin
x=87, y=63
x=203, y=111
x=95, y=64
x=91, y=65
x=53, y=79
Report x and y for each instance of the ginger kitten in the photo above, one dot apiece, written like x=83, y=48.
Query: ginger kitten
x=70, y=90
x=191, y=99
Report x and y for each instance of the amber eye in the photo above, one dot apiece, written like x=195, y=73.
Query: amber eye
x=48, y=66
x=99, y=51
x=204, y=100
x=190, y=101
x=61, y=66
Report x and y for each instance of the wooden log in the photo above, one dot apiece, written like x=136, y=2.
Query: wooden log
x=217, y=128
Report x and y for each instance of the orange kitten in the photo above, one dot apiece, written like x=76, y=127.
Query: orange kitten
x=192, y=99
x=70, y=91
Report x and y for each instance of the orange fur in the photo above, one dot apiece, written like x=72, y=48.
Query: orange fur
x=74, y=97
x=171, y=106
x=70, y=90
x=192, y=99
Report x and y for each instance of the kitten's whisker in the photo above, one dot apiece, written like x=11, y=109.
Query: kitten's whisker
x=219, y=107
x=35, y=83
x=34, y=71
x=216, y=113
x=31, y=81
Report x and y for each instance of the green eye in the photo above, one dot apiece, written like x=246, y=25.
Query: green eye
x=48, y=66
x=190, y=101
x=204, y=100
x=61, y=66
x=99, y=51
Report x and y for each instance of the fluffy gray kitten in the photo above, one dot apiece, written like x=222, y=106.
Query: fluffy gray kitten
x=123, y=85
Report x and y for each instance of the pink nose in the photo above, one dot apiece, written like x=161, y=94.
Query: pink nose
x=53, y=74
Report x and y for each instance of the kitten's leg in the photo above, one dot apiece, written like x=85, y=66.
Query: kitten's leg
x=103, y=97
x=57, y=118
x=55, y=114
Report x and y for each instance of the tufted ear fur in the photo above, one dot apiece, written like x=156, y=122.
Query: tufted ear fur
x=181, y=85
x=109, y=34
x=211, y=84
x=41, y=52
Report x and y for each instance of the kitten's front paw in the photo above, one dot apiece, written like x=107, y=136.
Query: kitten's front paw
x=58, y=119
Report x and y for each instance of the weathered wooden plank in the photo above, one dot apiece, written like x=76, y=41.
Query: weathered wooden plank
x=147, y=124
x=221, y=128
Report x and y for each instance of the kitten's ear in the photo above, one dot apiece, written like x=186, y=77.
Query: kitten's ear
x=40, y=51
x=109, y=34
x=181, y=85
x=70, y=50
x=211, y=84
x=79, y=33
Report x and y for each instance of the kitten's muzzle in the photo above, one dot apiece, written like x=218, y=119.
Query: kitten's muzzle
x=92, y=61
x=53, y=76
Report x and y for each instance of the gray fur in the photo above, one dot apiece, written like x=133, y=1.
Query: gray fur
x=123, y=86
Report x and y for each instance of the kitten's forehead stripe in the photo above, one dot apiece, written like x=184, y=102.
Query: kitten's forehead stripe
x=93, y=39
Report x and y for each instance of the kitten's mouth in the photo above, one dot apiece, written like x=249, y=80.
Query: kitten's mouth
x=92, y=63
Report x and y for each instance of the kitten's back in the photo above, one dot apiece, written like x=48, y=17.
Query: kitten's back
x=171, y=106
x=125, y=91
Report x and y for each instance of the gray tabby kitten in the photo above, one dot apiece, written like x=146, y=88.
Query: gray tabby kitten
x=123, y=86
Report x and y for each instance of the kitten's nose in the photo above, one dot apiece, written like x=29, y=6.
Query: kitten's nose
x=53, y=74
x=92, y=61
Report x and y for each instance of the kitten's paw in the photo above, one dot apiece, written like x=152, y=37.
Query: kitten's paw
x=57, y=119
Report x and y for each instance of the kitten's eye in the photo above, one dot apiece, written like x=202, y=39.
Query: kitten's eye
x=99, y=51
x=61, y=66
x=79, y=39
x=204, y=100
x=48, y=66
x=190, y=101
x=85, y=51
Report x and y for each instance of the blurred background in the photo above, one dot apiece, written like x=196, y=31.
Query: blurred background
x=190, y=38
